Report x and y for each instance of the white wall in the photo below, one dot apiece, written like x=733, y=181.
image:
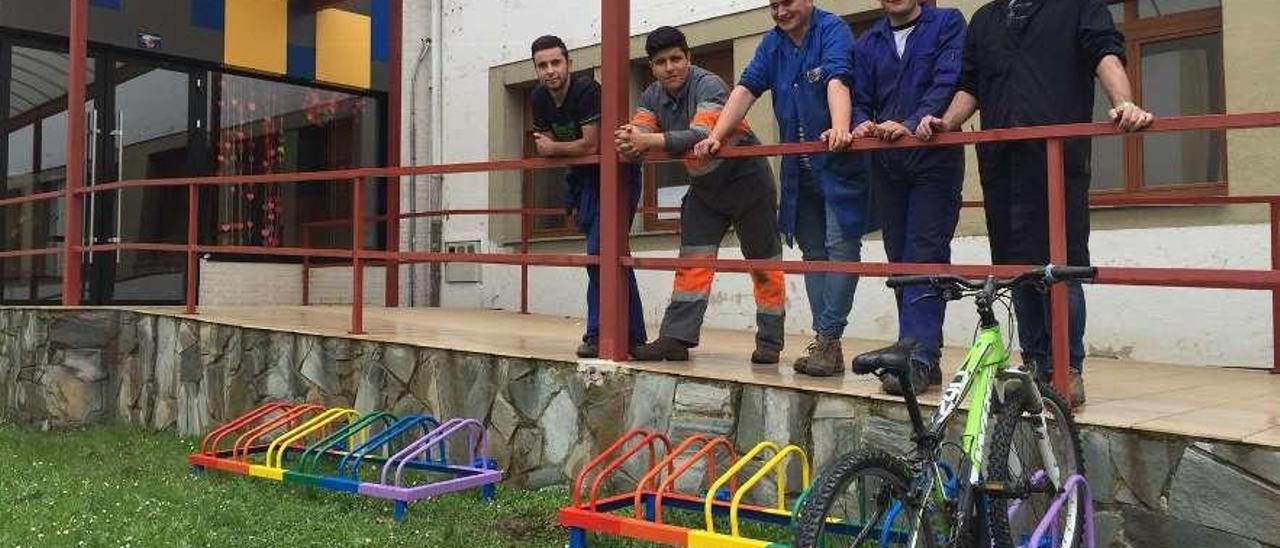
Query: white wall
x=259, y=284
x=236, y=283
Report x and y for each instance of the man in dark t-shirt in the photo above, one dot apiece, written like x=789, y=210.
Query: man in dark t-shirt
x=566, y=122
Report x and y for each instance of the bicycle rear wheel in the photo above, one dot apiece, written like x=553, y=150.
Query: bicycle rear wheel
x=862, y=501
x=1017, y=461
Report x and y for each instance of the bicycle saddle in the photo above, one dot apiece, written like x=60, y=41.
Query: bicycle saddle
x=895, y=359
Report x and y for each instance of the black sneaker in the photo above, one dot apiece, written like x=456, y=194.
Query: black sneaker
x=589, y=349
x=662, y=348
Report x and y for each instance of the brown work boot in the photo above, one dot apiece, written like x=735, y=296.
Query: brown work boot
x=765, y=356
x=824, y=358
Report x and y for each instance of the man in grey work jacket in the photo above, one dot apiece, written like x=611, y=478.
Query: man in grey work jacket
x=677, y=111
x=806, y=61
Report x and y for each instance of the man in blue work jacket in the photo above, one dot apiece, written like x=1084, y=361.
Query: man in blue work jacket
x=807, y=62
x=906, y=68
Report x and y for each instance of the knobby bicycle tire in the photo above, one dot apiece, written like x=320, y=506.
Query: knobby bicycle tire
x=835, y=479
x=1011, y=414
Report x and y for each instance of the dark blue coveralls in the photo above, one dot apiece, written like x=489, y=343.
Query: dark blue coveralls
x=916, y=190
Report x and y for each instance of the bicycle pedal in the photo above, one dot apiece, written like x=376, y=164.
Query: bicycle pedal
x=1001, y=489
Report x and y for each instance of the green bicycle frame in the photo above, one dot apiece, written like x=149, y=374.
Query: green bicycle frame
x=975, y=380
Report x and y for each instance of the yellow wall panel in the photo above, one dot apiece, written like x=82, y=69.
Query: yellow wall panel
x=255, y=35
x=343, y=48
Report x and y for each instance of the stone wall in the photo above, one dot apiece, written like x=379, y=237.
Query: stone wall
x=68, y=368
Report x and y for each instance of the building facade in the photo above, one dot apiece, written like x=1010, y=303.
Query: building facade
x=187, y=88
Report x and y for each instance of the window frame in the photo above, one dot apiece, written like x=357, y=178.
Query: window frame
x=1142, y=31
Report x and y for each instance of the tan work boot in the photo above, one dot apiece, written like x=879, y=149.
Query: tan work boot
x=824, y=358
x=1076, y=387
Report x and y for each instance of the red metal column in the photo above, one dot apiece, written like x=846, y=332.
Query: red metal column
x=193, y=273
x=394, y=87
x=357, y=266
x=524, y=268
x=615, y=44
x=72, y=206
x=1058, y=255
x=1275, y=292
x=306, y=267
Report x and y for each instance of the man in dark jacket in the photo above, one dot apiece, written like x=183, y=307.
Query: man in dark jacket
x=1032, y=63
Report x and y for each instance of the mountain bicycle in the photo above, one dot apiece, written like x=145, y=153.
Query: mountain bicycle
x=1018, y=483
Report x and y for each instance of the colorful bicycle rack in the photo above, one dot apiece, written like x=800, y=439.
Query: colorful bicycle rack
x=375, y=454
x=655, y=492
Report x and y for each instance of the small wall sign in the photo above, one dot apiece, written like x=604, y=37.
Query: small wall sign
x=147, y=40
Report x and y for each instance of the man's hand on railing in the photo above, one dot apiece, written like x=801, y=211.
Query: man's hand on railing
x=1131, y=117
x=706, y=148
x=929, y=125
x=865, y=129
x=837, y=139
x=543, y=143
x=890, y=131
x=630, y=145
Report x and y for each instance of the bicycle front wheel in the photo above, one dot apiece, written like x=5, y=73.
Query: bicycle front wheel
x=861, y=501
x=1034, y=471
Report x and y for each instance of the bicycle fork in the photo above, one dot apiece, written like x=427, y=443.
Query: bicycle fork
x=1024, y=387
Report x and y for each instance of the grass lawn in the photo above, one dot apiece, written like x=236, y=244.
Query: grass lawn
x=118, y=486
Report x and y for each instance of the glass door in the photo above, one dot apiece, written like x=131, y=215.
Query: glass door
x=152, y=131
x=33, y=132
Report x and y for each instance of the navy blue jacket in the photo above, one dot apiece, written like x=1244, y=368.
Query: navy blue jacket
x=918, y=84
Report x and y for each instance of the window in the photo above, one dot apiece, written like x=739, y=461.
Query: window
x=1174, y=49
x=262, y=126
x=665, y=183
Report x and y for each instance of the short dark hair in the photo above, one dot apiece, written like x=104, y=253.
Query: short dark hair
x=665, y=38
x=547, y=42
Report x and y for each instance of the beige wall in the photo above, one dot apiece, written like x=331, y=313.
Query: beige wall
x=1250, y=43
x=1252, y=85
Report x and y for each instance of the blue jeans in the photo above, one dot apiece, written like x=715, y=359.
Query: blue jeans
x=1032, y=308
x=635, y=312
x=821, y=239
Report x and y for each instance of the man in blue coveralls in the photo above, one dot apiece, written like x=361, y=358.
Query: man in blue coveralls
x=807, y=62
x=906, y=68
x=566, y=122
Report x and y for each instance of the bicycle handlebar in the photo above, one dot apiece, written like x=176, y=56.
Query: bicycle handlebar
x=1048, y=274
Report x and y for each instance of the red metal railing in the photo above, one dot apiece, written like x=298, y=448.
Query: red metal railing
x=613, y=257
x=525, y=237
